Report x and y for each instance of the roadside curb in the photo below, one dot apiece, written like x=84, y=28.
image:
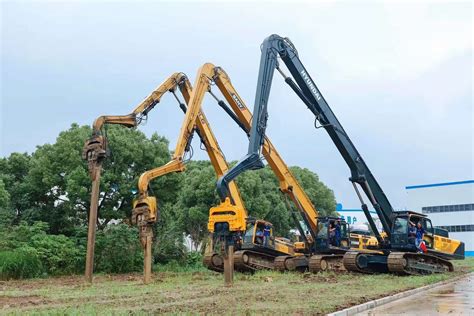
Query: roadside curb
x=388, y=299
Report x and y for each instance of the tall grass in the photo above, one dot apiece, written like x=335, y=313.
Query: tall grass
x=20, y=263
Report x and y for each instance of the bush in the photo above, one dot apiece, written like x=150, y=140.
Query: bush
x=168, y=246
x=194, y=259
x=58, y=253
x=118, y=250
x=20, y=263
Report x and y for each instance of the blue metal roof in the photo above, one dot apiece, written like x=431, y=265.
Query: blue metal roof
x=411, y=187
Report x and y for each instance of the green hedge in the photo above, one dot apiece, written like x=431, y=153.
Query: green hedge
x=27, y=251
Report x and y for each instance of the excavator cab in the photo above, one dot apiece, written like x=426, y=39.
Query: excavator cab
x=333, y=235
x=259, y=233
x=403, y=231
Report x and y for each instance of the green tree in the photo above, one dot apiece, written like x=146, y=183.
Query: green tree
x=321, y=196
x=118, y=250
x=260, y=193
x=196, y=196
x=6, y=214
x=59, y=186
x=13, y=173
x=169, y=239
x=4, y=196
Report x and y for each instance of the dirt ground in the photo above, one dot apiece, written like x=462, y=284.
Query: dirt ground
x=203, y=293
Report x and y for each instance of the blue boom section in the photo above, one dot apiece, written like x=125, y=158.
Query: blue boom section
x=275, y=47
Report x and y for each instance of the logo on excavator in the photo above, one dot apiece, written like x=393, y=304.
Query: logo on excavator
x=237, y=100
x=311, y=85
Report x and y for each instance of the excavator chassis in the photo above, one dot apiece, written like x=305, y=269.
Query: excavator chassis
x=403, y=263
x=244, y=261
x=315, y=263
x=365, y=262
x=250, y=261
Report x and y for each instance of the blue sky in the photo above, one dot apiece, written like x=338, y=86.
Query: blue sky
x=398, y=76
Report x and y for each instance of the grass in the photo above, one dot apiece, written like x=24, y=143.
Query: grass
x=202, y=292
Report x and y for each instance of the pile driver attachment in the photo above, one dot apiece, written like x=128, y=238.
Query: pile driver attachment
x=226, y=218
x=94, y=152
x=145, y=211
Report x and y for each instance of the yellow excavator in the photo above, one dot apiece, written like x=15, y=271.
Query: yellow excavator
x=145, y=210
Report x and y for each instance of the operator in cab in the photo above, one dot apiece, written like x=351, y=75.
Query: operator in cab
x=266, y=233
x=337, y=233
x=419, y=234
x=259, y=237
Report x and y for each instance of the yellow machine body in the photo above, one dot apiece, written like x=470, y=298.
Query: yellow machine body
x=227, y=212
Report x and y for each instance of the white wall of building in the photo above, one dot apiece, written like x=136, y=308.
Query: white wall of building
x=446, y=194
x=419, y=196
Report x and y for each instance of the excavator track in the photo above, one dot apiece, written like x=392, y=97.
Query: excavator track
x=319, y=263
x=284, y=263
x=249, y=261
x=214, y=262
x=350, y=262
x=409, y=263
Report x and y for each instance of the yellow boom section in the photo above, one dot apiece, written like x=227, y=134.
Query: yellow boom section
x=95, y=148
x=194, y=120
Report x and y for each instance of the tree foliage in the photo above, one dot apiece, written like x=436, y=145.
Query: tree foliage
x=260, y=193
x=52, y=185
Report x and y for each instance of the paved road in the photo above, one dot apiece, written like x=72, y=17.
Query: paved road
x=453, y=299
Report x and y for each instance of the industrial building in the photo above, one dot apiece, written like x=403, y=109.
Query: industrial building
x=356, y=217
x=449, y=205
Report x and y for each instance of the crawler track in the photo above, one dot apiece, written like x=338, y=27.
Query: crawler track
x=248, y=261
x=417, y=264
x=214, y=262
x=319, y=263
x=350, y=262
x=284, y=263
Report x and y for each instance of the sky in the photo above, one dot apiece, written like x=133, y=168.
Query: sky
x=398, y=75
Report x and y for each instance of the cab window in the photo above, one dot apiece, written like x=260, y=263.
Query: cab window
x=322, y=229
x=428, y=226
x=248, y=238
x=400, y=226
x=343, y=231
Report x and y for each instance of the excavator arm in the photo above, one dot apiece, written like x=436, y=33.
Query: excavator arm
x=194, y=120
x=95, y=148
x=273, y=48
